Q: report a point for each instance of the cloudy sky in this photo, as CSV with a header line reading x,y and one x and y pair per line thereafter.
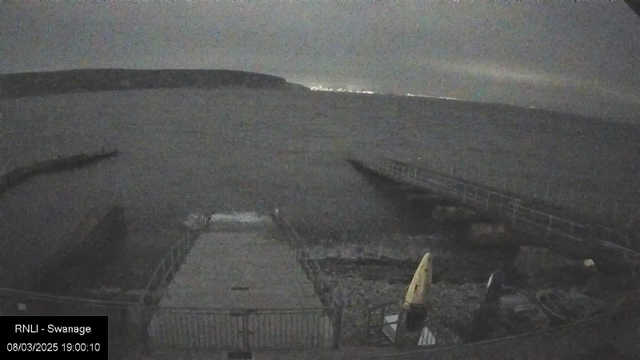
x,y
573,56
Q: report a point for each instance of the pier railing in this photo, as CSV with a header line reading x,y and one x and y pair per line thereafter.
x,y
167,269
526,213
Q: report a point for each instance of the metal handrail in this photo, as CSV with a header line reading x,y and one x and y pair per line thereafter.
x,y
515,200
403,172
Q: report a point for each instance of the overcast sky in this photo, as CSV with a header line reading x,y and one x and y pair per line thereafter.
x,y
573,56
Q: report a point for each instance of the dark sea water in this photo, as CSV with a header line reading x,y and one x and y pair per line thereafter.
x,y
186,151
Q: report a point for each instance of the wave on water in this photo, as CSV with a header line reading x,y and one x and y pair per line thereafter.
x,y
199,221
241,217
196,221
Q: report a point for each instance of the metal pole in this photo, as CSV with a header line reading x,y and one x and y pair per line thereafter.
x,y
464,194
487,199
337,326
547,191
401,327
245,331
142,315
297,247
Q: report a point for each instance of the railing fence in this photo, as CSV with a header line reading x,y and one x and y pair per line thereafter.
x,y
609,211
168,268
246,329
609,241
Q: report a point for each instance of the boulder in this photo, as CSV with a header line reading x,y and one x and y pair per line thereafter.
x,y
533,259
482,234
453,214
519,311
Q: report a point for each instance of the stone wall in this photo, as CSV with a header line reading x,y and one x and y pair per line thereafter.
x,y
21,174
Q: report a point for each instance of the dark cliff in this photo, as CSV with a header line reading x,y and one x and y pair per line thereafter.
x,y
71,81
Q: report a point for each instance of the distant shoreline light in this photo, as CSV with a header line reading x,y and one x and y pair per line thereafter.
x,y
434,97
321,88
343,90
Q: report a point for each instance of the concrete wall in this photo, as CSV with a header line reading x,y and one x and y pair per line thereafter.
x,y
100,229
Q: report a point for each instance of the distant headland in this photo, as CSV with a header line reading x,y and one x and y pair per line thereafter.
x,y
90,80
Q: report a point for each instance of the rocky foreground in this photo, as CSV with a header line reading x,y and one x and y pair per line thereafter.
x,y
371,279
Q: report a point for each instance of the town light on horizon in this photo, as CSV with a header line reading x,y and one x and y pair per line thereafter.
x,y
358,91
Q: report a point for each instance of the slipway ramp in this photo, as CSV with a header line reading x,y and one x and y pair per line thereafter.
x,y
240,288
